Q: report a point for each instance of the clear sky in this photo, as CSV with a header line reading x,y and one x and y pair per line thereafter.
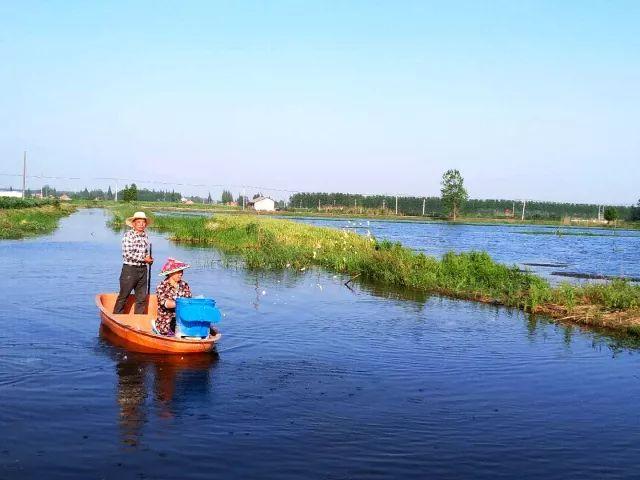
x,y
528,99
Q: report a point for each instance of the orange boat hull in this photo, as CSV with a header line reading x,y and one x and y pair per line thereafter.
x,y
136,332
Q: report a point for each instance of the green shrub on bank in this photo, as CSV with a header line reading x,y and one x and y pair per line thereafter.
x,y
16,203
26,222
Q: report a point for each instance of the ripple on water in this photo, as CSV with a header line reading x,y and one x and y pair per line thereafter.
x,y
310,381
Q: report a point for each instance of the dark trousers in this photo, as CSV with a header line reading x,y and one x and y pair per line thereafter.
x,y
132,277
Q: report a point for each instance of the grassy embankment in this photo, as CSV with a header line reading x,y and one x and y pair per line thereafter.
x,y
25,218
278,244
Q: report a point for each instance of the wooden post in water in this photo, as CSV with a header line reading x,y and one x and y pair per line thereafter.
x,y
24,173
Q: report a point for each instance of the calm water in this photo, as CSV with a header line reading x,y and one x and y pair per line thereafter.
x,y
312,380
599,252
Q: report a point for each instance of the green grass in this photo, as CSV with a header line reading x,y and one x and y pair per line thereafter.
x,y
19,203
266,243
26,222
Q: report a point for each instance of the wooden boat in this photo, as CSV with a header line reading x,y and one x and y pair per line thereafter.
x,y
137,332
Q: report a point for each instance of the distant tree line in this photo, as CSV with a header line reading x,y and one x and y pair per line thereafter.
x,y
129,193
434,206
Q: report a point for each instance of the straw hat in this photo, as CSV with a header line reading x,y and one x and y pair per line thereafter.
x,y
172,265
136,216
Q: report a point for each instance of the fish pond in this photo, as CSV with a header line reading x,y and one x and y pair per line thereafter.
x,y
556,253
312,379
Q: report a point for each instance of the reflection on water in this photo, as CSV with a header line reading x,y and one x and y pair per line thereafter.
x,y
163,378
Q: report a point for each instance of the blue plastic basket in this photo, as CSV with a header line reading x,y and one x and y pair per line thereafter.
x,y
194,316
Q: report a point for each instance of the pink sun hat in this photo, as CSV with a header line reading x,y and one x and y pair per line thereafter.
x,y
172,265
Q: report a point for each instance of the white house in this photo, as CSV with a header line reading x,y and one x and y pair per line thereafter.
x,y
11,193
263,204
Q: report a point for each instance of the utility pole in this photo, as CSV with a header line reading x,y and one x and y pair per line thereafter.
x,y
24,173
383,204
116,198
243,195
396,204
318,204
524,203
424,201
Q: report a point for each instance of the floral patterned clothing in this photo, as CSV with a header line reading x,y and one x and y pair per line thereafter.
x,y
166,321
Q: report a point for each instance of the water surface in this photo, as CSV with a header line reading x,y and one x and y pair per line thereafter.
x,y
312,380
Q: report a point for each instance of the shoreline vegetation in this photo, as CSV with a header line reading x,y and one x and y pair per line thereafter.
x,y
27,218
276,244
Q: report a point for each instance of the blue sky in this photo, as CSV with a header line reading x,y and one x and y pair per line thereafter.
x,y
537,100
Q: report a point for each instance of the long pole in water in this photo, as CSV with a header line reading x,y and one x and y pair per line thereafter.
x,y
149,271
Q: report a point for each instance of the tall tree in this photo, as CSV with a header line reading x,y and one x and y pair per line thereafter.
x,y
453,192
634,213
130,194
227,196
610,214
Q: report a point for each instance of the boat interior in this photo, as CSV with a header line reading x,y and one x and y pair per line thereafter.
x,y
141,322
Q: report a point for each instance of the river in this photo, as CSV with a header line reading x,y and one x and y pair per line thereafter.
x,y
312,379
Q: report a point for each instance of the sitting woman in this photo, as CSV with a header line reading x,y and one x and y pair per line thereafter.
x,y
169,289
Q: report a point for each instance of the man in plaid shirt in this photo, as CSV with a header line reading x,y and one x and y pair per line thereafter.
x,y
135,257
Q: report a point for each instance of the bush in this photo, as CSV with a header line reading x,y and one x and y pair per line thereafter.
x,y
11,202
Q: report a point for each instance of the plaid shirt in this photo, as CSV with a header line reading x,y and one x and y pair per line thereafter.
x,y
135,247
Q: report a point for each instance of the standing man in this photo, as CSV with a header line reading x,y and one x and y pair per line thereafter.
x,y
135,257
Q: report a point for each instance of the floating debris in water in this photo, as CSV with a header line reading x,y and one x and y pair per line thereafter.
x,y
596,276
536,264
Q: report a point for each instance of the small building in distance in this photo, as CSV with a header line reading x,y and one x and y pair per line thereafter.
x,y
11,193
65,198
263,204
